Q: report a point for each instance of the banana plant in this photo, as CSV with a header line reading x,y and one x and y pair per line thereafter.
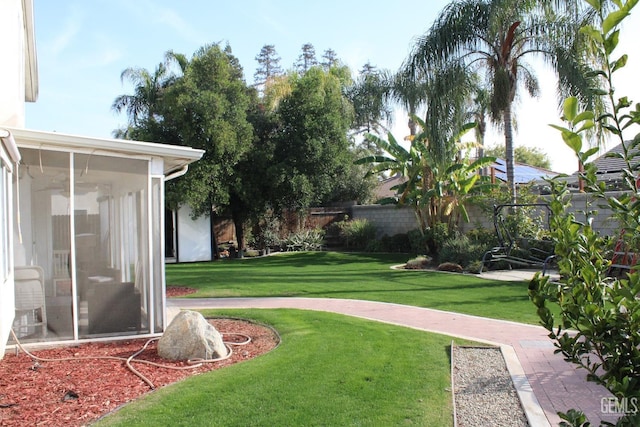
x,y
437,182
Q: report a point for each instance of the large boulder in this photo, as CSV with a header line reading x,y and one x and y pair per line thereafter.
x,y
190,336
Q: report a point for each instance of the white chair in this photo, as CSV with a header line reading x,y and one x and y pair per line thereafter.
x,y
30,303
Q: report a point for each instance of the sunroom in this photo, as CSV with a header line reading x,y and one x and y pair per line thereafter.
x,y
88,236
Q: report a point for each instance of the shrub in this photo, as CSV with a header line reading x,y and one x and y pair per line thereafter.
x,y
435,237
483,237
374,246
474,267
417,242
598,324
396,243
267,231
250,253
460,250
357,233
306,240
418,263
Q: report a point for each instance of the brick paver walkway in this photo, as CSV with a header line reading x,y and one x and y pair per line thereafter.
x,y
545,382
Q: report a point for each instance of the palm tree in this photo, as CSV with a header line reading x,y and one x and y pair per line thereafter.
x,y
148,87
494,38
408,90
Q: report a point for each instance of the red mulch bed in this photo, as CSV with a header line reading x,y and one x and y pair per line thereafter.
x,y
78,392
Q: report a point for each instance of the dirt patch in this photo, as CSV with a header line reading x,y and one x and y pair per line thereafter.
x,y
179,291
78,391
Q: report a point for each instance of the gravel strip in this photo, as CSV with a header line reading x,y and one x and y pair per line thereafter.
x,y
483,391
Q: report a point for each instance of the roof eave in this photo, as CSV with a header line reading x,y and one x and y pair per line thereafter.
x,y
31,59
176,157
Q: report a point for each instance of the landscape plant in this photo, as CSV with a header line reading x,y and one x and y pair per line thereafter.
x,y
305,240
598,327
356,233
461,250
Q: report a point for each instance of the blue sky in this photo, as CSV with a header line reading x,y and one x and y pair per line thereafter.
x,y
83,46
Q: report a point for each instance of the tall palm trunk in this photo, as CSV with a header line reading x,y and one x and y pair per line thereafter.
x,y
508,145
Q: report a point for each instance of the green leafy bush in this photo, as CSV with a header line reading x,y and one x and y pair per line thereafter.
x,y
435,237
598,326
357,233
305,240
396,243
483,236
460,250
417,242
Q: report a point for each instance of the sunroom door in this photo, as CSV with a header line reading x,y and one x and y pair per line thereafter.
x,y
111,244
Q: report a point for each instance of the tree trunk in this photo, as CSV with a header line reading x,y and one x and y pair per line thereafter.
x,y
214,238
238,222
238,215
508,148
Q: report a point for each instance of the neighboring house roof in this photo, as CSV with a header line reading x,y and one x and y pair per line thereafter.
x,y
383,190
609,169
175,157
523,173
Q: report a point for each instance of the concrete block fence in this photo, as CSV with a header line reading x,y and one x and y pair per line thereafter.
x,y
390,220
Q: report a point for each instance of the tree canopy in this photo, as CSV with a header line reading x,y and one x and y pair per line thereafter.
x,y
494,38
284,148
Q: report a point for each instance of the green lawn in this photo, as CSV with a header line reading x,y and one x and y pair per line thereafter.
x,y
355,276
330,370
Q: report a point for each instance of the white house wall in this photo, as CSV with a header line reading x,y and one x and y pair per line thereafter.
x,y
12,72
194,237
7,299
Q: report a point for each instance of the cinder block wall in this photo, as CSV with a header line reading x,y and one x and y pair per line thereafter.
x,y
390,220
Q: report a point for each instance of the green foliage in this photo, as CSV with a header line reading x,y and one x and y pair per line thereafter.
x,y
474,267
495,38
397,243
418,241
356,233
460,250
523,222
483,237
305,240
267,231
207,108
366,95
435,237
599,323
437,184
311,149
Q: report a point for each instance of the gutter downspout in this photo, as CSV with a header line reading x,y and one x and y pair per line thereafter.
x,y
177,174
10,145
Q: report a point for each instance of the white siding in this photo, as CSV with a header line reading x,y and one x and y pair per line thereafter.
x,y
12,72
194,237
7,300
